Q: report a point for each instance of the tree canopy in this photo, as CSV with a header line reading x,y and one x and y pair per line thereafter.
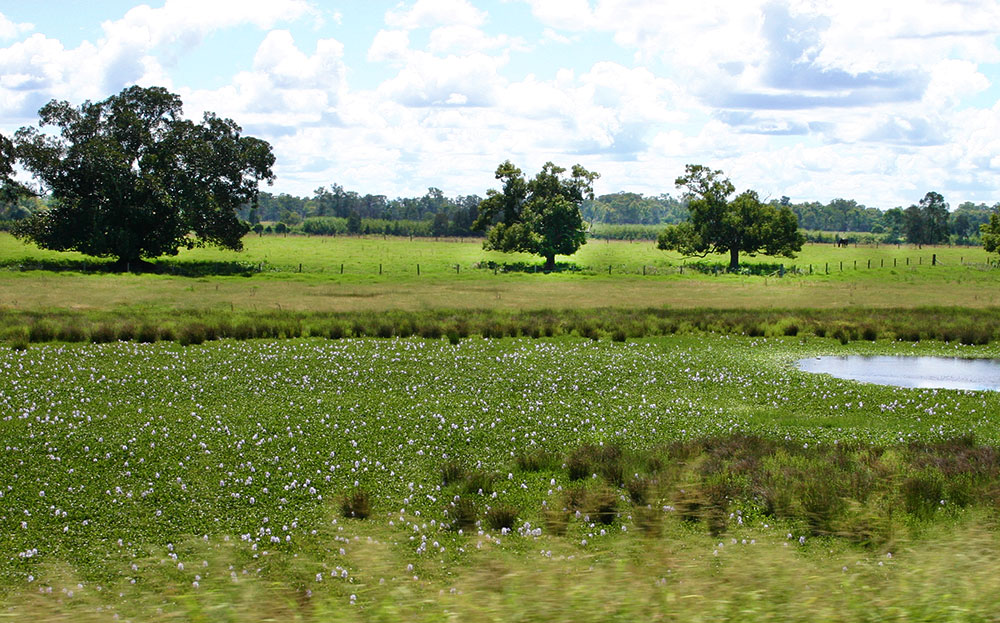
x,y
539,216
991,231
718,225
10,190
927,222
131,179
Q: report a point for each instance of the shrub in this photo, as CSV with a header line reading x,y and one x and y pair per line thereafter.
x,y
168,333
463,514
41,331
869,333
974,336
126,331
103,333
821,501
147,333
18,339
452,472
842,335
71,332
556,521
430,330
193,333
648,520
606,460
922,494
575,498
479,481
502,517
603,505
535,461
356,504
638,490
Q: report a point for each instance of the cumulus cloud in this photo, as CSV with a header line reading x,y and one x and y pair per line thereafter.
x,y
803,98
11,30
286,89
186,22
429,80
390,46
132,50
430,13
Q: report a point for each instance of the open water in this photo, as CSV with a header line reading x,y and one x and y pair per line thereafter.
x,y
902,371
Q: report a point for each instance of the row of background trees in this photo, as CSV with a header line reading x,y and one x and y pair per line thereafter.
x,y
334,210
921,223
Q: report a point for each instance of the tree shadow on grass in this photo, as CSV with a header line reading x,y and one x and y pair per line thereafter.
x,y
185,268
528,267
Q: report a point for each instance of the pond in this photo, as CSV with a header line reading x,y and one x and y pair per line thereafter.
x,y
923,372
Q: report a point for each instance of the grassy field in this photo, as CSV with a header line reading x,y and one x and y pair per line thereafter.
x,y
961,277
537,476
502,479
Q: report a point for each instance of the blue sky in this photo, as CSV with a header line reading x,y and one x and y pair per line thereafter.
x,y
878,101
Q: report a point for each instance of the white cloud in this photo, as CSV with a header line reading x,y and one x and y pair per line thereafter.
x,y
285,90
389,46
40,68
806,98
565,14
11,30
430,13
186,22
464,39
429,80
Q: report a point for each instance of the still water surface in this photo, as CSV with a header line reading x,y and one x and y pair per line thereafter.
x,y
928,372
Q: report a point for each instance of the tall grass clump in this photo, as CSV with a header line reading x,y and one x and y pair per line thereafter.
x,y
502,516
356,504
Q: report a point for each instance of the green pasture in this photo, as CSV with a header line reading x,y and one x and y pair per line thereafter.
x,y
155,478
400,256
381,274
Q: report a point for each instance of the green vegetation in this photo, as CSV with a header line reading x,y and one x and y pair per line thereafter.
x,y
130,178
147,476
540,216
718,225
323,445
991,233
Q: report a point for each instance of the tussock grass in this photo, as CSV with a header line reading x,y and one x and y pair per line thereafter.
x,y
949,324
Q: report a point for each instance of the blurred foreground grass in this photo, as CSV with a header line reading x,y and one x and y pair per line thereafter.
x,y
949,574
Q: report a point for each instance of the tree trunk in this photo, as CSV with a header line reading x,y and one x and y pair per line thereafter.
x,y
550,263
134,265
734,259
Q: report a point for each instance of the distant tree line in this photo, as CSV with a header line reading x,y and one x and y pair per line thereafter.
x,y
332,210
926,222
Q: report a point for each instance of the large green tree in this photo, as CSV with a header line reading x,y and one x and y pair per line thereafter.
x,y
720,225
990,232
130,178
927,222
10,189
539,216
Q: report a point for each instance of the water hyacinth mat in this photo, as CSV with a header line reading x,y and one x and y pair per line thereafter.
x,y
308,461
